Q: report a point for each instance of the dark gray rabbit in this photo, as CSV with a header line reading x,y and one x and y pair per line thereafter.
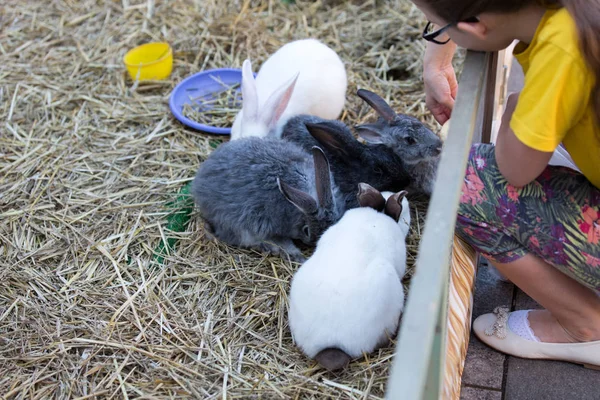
x,y
418,147
263,193
351,161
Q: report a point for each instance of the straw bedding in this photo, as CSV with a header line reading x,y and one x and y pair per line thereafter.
x,y
88,161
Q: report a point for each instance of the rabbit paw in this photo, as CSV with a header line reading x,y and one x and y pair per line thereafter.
x,y
281,247
299,257
209,232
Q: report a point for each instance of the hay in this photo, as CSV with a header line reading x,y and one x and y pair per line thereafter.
x,y
88,161
215,109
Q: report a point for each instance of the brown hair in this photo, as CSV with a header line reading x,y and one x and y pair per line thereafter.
x,y
586,14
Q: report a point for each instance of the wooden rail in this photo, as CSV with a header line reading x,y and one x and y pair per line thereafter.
x,y
418,367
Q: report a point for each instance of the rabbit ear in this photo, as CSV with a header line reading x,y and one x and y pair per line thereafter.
x,y
329,137
249,93
378,104
393,205
322,178
277,102
301,200
372,133
368,196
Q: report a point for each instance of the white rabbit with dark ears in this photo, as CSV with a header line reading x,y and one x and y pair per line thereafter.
x,y
347,298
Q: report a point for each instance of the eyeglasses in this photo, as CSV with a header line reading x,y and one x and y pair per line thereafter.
x,y
430,36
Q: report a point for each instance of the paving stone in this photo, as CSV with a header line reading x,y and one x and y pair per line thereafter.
x,y
484,367
531,379
490,292
524,302
471,393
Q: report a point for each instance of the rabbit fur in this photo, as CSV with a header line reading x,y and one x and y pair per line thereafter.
x,y
266,193
347,298
417,146
351,161
302,77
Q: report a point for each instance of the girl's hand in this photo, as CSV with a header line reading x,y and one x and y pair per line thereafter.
x,y
440,80
440,93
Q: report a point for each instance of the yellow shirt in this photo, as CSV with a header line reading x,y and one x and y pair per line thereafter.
x,y
555,104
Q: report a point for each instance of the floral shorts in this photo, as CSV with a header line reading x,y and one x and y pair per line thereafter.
x,y
556,217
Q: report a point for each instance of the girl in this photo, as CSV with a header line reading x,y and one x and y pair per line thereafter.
x,y
539,225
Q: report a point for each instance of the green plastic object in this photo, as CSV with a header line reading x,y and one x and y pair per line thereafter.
x,y
177,221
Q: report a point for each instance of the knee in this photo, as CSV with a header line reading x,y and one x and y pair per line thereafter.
x,y
475,189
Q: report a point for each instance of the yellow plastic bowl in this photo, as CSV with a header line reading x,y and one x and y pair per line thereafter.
x,y
150,61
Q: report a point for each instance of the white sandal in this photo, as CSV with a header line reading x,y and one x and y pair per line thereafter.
x,y
495,331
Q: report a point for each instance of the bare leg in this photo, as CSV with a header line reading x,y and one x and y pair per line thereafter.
x,y
572,311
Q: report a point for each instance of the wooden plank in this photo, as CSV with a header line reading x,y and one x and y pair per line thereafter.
x,y
414,351
463,268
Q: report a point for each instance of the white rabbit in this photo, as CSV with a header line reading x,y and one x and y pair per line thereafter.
x,y
347,298
302,77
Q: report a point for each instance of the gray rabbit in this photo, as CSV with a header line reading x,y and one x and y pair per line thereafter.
x,y
351,161
417,146
263,193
